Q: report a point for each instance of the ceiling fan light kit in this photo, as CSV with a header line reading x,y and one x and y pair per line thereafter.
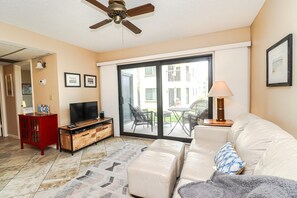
x,y
118,13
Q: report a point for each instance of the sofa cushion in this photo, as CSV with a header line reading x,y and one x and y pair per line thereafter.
x,y
205,147
180,183
239,124
254,140
280,159
197,167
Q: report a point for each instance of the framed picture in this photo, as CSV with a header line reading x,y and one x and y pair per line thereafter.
x,y
72,79
90,81
9,85
26,89
279,63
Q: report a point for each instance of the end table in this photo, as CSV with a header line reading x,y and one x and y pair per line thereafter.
x,y
214,122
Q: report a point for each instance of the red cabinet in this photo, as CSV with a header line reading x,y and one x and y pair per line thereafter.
x,y
39,130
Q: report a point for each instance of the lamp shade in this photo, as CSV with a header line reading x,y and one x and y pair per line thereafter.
x,y
39,65
220,89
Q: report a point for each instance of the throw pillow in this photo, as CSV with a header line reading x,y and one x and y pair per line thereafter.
x,y
230,163
222,152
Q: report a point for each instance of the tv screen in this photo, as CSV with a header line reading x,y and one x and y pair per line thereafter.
x,y
83,111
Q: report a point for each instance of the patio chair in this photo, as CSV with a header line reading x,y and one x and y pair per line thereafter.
x,y
141,117
194,119
197,108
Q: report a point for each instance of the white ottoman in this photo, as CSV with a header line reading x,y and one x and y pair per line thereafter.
x,y
173,147
152,175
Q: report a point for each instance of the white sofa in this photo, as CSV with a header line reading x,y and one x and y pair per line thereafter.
x,y
266,148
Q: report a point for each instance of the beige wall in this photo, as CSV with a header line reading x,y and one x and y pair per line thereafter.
x,y
69,58
278,104
200,41
46,94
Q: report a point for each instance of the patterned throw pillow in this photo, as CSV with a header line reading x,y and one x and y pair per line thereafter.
x,y
227,161
222,152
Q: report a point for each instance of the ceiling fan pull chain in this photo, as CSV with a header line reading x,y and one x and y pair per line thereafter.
x,y
122,35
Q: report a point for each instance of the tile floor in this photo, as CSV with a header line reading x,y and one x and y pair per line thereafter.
x,y
25,173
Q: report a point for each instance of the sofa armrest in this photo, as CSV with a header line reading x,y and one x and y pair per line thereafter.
x,y
211,134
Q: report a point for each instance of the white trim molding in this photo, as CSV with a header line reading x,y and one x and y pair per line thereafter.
x,y
172,55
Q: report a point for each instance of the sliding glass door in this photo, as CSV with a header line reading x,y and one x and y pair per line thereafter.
x,y
138,100
185,85
164,99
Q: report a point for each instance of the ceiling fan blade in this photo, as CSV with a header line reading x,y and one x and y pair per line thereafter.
x,y
98,5
147,8
131,27
104,22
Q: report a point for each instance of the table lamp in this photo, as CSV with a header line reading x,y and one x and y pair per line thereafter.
x,y
220,90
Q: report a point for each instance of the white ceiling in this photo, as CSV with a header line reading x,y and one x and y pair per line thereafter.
x,y
69,20
12,53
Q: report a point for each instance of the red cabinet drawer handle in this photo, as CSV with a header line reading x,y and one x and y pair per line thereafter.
x,y
85,134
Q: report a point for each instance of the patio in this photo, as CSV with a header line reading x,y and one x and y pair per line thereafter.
x,y
168,126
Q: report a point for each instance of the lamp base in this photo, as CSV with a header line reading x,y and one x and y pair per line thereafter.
x,y
220,110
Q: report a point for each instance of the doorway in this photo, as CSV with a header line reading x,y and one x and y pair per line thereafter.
x,y
158,98
138,100
11,56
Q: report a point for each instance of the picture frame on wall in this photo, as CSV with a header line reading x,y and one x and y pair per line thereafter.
x,y
279,63
90,81
72,79
26,89
9,85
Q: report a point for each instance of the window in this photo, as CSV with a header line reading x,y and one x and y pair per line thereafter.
x,y
187,95
150,71
173,73
174,96
150,94
178,96
188,75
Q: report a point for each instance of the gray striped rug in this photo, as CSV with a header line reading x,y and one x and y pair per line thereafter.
x,y
106,179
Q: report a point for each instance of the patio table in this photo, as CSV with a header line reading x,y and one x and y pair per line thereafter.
x,y
175,111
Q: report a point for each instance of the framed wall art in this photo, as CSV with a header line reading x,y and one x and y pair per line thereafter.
x,y
72,79
279,63
90,81
26,89
9,85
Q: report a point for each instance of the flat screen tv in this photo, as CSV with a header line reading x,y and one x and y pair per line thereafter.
x,y
83,111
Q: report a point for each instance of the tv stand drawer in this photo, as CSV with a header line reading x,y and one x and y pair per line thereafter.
x,y
103,132
84,138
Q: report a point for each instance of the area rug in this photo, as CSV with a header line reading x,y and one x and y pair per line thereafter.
x,y
106,179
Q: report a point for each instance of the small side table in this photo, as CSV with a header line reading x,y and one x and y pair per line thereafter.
x,y
213,122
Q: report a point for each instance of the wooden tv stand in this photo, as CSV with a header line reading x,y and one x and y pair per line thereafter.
x,y
84,134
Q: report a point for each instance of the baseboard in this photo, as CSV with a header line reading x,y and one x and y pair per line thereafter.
x,y
13,136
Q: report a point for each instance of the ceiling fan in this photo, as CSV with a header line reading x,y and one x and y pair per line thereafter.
x,y
118,13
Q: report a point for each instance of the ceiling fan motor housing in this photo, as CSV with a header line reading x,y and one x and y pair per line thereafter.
x,y
117,10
